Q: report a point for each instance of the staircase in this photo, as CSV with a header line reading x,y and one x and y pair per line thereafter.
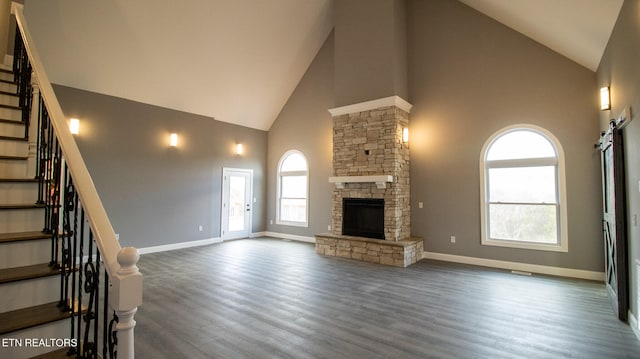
x,y
67,287
29,283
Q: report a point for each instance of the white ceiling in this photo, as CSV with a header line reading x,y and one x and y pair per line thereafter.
x,y
577,29
238,61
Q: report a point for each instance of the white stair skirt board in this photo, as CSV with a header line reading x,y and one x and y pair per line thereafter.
x,y
21,220
18,192
18,254
7,87
12,129
28,293
524,267
14,148
56,330
10,114
292,237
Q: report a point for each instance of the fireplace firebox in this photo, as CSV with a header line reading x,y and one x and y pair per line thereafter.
x,y
363,217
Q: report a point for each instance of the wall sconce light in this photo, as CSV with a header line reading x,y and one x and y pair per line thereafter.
x,y
239,149
405,134
173,140
74,126
605,99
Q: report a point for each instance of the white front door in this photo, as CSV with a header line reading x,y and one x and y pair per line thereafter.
x,y
236,203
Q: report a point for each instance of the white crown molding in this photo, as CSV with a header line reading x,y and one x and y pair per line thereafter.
x,y
396,101
516,266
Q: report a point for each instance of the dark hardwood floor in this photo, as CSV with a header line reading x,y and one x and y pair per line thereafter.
x,y
270,298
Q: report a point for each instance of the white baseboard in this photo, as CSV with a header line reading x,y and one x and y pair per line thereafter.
x,y
181,245
257,234
292,237
524,267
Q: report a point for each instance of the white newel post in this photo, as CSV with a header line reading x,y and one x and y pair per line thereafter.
x,y
125,298
33,127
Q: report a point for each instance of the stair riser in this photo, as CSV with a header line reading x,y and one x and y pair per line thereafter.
x,y
14,148
57,330
18,254
7,76
8,129
9,100
10,114
28,293
18,192
7,87
20,220
13,169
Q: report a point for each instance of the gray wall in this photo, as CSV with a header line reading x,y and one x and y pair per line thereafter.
x,y
370,50
620,68
305,124
470,76
155,194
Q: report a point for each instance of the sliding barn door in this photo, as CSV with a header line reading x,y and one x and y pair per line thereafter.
x,y
614,220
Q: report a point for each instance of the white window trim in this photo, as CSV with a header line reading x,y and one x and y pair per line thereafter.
x,y
279,190
563,245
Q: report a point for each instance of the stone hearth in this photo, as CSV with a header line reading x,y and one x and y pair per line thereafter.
x,y
371,160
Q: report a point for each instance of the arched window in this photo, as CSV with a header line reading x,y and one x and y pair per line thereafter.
x,y
293,189
523,201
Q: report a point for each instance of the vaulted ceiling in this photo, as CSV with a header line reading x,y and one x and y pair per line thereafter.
x,y
238,61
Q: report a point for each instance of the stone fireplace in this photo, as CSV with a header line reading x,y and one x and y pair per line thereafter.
x,y
371,162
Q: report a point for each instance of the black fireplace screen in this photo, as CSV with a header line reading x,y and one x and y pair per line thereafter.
x,y
363,217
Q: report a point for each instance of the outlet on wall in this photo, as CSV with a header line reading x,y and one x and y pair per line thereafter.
x,y
453,239
200,228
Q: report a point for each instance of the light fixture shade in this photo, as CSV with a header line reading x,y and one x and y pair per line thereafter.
x,y
405,134
239,148
173,140
74,126
605,99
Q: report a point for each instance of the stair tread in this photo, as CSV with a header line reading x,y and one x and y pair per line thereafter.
x,y
22,206
31,317
13,138
15,274
62,353
7,93
14,157
12,107
19,180
14,122
23,236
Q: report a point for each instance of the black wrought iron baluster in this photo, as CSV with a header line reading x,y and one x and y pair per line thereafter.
x,y
39,151
91,286
113,336
105,316
66,240
54,209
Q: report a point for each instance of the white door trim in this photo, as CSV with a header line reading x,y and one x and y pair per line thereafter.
x,y
224,214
